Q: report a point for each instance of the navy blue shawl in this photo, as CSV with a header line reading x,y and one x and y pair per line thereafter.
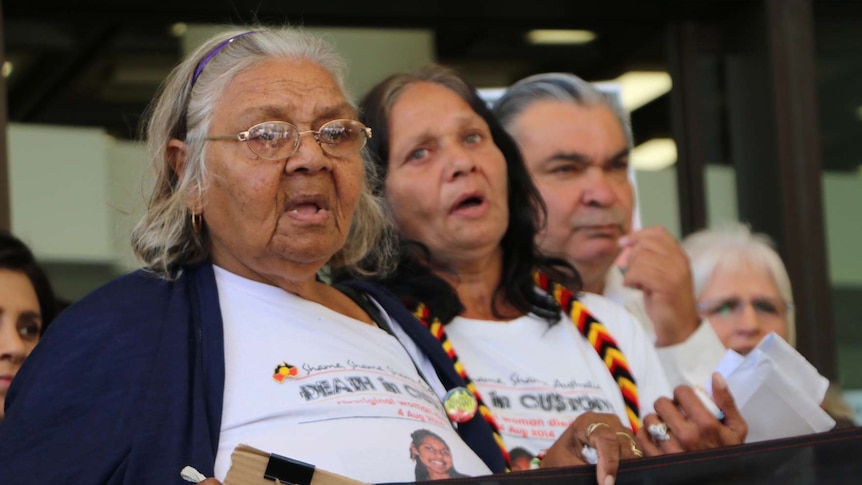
x,y
127,386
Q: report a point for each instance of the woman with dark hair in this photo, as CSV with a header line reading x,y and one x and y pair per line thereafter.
x,y
432,456
545,366
27,306
523,204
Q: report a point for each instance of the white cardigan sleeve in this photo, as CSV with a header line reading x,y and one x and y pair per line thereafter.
x,y
692,362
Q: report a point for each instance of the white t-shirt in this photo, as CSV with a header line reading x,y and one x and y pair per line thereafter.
x,y
537,378
311,384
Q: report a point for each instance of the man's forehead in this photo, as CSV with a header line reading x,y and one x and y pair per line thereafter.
x,y
552,118
587,132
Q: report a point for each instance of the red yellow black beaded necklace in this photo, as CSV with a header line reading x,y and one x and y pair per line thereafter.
x,y
593,330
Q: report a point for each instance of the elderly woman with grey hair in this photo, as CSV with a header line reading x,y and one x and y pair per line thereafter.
x,y
228,336
743,288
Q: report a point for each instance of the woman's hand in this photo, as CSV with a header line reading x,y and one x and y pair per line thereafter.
x,y
603,432
685,424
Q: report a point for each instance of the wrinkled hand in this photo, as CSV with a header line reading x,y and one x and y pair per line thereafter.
x,y
610,439
656,264
691,426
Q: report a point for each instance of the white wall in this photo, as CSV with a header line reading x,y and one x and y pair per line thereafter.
x,y
657,199
128,190
58,182
842,197
659,204
75,193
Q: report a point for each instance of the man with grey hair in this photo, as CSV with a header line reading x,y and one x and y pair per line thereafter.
x,y
576,142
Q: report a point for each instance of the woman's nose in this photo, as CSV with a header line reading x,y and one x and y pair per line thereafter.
x,y
11,345
460,162
748,321
309,157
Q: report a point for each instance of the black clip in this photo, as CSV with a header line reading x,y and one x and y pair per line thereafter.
x,y
281,469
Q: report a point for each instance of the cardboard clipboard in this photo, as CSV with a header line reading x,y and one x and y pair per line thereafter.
x,y
251,466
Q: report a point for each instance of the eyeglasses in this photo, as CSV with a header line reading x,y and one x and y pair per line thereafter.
x,y
278,140
733,307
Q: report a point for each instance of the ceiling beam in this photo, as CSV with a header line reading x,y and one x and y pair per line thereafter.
x,y
56,73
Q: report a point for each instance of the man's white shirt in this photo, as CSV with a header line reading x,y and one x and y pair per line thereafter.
x,y
691,362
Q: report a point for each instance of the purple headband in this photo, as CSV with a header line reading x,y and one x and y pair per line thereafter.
x,y
214,52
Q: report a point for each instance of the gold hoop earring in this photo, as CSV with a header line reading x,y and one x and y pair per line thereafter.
x,y
197,221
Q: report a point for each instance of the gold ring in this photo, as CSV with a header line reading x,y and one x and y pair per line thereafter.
x,y
635,451
594,426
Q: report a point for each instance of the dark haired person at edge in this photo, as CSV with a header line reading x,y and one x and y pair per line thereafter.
x,y
27,306
228,336
432,456
467,213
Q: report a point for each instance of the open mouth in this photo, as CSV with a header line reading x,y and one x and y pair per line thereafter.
x,y
307,205
305,208
471,202
467,201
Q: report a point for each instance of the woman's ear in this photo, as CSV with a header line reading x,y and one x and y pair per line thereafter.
x,y
176,153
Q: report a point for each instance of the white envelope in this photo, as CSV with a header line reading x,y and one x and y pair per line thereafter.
x,y
777,391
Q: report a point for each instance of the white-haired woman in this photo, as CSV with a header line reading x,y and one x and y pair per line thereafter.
x,y
743,289
228,336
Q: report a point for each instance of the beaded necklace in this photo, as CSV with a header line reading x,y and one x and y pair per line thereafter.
x,y
602,342
435,326
595,333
